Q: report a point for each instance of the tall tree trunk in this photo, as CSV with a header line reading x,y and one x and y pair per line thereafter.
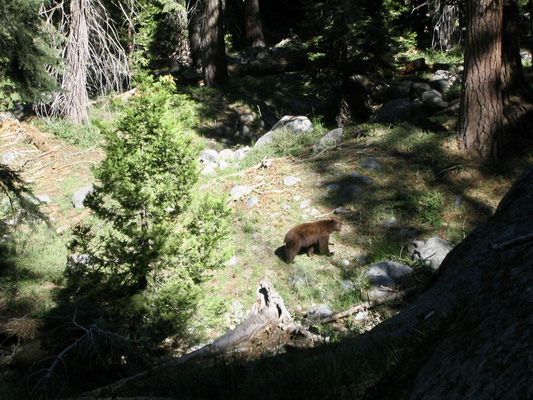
x,y
254,28
195,12
214,52
481,119
77,55
517,94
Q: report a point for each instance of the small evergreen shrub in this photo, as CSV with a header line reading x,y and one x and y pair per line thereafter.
x,y
146,261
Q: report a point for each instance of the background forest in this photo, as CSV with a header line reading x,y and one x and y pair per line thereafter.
x,y
155,153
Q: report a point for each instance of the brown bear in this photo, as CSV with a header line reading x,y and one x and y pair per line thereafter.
x,y
310,235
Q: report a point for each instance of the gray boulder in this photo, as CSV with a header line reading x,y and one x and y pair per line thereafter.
x,y
431,252
291,180
385,275
297,124
265,139
252,201
432,101
79,196
370,163
209,155
397,110
319,312
239,154
227,155
329,139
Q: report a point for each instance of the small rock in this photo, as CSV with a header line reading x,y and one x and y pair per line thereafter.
x,y
43,198
238,191
432,101
296,198
79,196
341,211
305,204
361,315
314,212
431,252
333,187
350,192
244,118
319,312
298,279
386,273
252,201
370,163
9,157
291,180
223,164
457,202
345,262
231,262
329,139
209,169
209,155
389,222
227,155
239,154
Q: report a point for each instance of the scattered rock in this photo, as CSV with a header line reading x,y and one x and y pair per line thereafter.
x,y
209,155
361,259
350,192
418,89
329,139
457,202
43,198
223,164
227,155
305,204
315,212
389,222
370,163
209,168
246,118
291,180
319,312
231,262
397,110
333,187
431,252
9,157
265,139
238,191
345,262
239,154
385,274
297,124
341,211
79,196
252,201
432,101
7,116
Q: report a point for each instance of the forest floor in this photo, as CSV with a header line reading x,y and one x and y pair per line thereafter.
x,y
424,182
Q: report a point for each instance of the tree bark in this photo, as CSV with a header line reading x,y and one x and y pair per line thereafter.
x,y
77,55
254,28
481,119
195,13
214,53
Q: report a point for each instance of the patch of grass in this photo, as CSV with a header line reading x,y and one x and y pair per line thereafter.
x,y
86,135
33,262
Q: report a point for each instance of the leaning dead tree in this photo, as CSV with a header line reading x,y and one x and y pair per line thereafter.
x,y
95,62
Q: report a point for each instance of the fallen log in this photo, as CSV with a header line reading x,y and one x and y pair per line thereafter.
x,y
267,329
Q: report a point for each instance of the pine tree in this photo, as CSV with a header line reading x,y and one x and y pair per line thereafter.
x,y
151,259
